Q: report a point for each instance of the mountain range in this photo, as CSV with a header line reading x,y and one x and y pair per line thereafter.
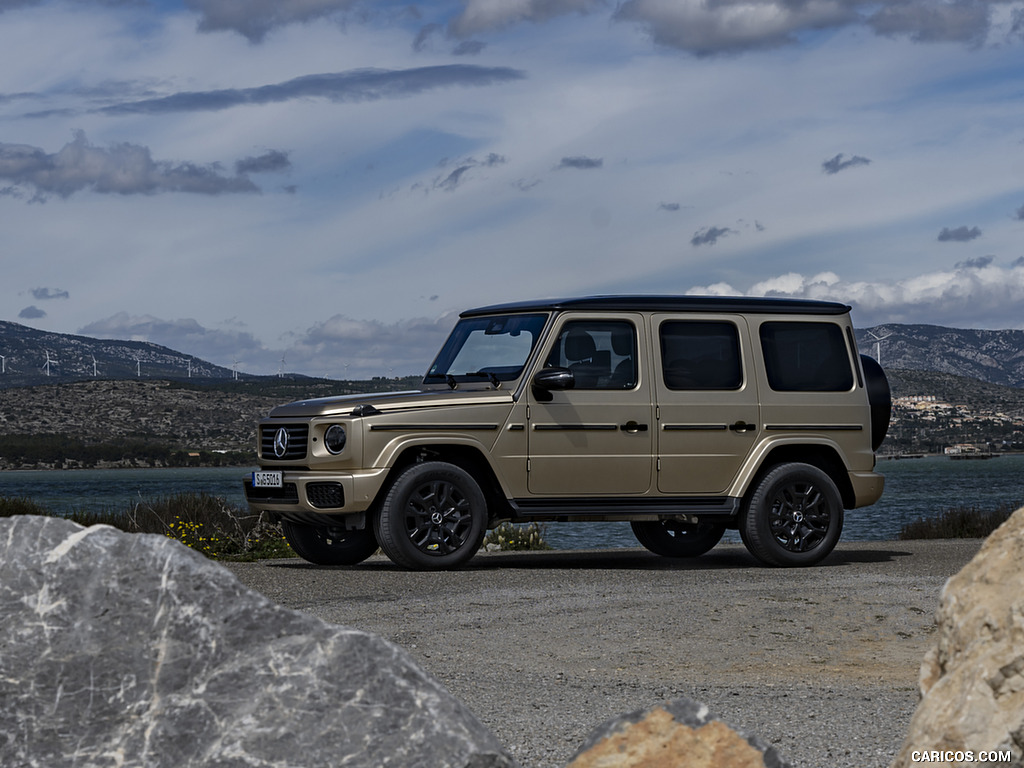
x,y
30,357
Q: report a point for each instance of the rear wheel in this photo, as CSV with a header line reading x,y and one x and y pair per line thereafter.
x,y
672,538
793,517
433,517
329,545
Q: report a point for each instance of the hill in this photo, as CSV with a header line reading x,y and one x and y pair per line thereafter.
x,y
993,356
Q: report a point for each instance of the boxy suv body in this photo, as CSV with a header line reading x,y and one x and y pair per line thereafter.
x,y
685,416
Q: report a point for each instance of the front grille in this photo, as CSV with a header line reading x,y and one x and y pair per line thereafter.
x,y
325,495
297,435
288,494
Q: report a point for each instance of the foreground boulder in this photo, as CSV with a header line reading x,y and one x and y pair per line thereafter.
x,y
132,650
972,681
679,733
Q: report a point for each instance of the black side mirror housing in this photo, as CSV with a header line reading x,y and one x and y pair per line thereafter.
x,y
549,380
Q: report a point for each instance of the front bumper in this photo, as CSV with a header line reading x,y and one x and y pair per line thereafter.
x,y
304,493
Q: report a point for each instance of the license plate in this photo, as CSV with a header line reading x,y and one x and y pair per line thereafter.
x,y
266,480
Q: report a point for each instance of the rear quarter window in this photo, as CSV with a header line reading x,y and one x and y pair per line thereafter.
x,y
805,357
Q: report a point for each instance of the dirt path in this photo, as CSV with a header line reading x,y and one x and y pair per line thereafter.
x,y
822,662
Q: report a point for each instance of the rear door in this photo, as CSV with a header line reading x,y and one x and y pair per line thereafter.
x,y
707,402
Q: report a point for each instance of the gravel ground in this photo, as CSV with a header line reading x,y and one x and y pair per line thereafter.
x,y
821,662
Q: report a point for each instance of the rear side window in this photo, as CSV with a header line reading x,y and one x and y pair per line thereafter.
x,y
700,355
806,357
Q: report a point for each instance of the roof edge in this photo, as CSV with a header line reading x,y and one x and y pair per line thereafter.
x,y
668,303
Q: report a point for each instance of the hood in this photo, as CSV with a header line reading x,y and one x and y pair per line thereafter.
x,y
384,402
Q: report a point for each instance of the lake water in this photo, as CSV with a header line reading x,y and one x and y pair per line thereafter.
x,y
914,488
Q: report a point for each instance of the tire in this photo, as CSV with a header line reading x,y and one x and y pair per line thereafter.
x,y
325,545
434,517
671,538
794,516
880,399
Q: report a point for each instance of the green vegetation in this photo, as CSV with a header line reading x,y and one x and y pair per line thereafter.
x,y
64,452
962,522
514,538
200,521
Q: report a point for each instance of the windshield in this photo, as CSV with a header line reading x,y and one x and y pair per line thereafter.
x,y
494,348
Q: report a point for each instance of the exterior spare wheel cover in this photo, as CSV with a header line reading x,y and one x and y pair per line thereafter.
x,y
879,397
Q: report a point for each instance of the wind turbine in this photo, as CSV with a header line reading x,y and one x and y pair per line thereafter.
x,y
280,370
234,370
3,364
138,367
190,367
878,344
48,361
95,373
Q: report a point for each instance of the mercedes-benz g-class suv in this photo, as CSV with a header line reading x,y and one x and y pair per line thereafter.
x,y
685,416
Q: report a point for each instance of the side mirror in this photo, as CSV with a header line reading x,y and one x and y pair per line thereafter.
x,y
551,379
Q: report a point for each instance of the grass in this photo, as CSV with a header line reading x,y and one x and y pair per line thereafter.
x,y
515,538
200,521
961,522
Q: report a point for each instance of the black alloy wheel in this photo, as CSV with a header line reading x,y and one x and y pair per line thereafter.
x,y
433,517
672,538
329,545
794,516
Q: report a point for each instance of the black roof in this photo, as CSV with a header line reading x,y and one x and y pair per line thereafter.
x,y
670,304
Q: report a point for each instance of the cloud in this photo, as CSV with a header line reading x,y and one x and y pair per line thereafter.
x,y
837,164
958,235
705,28
710,235
930,22
669,207
1020,214
468,48
485,15
43,294
732,26
452,179
582,163
979,263
124,169
341,347
31,313
977,293
356,85
269,162
222,347
255,18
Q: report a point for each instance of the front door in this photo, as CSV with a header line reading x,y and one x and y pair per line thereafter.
x,y
596,438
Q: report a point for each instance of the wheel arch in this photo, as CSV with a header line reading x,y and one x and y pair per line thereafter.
x,y
465,455
824,456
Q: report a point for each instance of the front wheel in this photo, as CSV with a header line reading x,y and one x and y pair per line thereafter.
x,y
793,517
329,545
433,517
671,538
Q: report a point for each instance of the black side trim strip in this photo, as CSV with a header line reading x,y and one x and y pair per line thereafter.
x,y
432,427
694,427
816,427
574,427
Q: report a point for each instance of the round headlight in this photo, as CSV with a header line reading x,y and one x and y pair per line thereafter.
x,y
335,438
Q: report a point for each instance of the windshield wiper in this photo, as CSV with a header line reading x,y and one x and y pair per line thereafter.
x,y
491,376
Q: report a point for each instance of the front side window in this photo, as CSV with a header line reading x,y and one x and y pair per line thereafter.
x,y
600,353
805,357
494,348
700,355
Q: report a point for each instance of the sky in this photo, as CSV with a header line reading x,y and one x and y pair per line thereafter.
x,y
320,186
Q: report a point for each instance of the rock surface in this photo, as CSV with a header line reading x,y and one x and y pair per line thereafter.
x,y
679,733
972,680
132,650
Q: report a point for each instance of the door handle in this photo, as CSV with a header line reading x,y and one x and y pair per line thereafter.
x,y
741,426
632,426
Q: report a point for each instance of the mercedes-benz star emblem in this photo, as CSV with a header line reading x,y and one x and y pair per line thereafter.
x,y
281,443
